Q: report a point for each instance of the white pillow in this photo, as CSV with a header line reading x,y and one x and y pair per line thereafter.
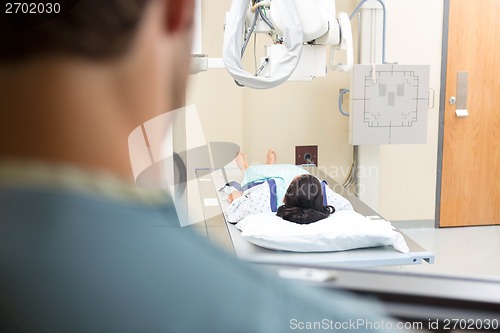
x,y
343,230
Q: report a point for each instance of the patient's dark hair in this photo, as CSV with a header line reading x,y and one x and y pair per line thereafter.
x,y
303,202
94,29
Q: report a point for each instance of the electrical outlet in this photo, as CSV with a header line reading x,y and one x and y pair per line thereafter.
x,y
306,155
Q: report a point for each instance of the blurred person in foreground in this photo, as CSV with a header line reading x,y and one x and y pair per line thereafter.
x,y
82,249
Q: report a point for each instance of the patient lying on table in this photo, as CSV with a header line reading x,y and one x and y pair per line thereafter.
x,y
290,191
303,199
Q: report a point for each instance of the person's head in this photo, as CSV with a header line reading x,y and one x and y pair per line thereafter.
x,y
73,86
303,202
145,40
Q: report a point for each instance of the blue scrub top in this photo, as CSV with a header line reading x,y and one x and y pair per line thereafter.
x,y
76,262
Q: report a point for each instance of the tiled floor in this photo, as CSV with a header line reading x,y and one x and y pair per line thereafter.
x,y
467,251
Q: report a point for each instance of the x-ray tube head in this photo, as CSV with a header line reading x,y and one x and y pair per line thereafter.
x,y
292,24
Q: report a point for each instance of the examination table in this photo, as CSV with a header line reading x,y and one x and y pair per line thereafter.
x,y
214,203
429,299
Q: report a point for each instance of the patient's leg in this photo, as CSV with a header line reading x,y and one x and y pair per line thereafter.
x,y
271,157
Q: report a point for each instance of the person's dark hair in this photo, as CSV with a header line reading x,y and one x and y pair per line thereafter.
x,y
94,29
303,202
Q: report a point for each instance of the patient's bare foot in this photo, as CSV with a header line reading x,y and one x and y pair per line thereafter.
x,y
271,157
242,161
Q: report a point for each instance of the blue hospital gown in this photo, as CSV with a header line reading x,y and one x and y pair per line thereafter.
x,y
257,199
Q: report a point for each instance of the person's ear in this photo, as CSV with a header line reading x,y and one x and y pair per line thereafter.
x,y
179,15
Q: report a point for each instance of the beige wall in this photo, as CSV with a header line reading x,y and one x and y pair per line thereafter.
x,y
300,113
307,114
408,172
218,100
